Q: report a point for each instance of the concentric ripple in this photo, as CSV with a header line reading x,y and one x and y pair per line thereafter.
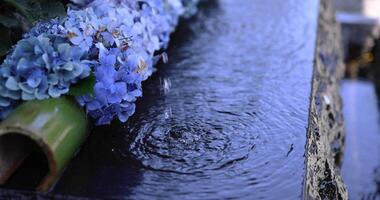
x,y
222,119
229,124
189,147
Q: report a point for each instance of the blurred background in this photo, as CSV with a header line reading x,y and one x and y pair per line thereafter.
x,y
360,93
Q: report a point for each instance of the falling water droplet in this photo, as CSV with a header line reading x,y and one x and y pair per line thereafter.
x,y
165,58
167,85
168,113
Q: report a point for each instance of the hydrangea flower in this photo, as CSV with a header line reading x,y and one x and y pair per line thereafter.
x,y
115,40
118,85
42,67
51,27
81,2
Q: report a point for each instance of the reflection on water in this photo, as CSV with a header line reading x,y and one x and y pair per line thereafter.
x,y
361,165
226,117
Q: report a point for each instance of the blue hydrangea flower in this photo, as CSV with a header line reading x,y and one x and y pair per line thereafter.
x,y
81,2
147,33
115,40
41,67
51,27
117,87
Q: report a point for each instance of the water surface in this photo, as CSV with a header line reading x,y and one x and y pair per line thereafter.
x,y
361,165
225,118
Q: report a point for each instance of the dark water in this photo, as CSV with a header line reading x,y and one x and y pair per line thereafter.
x,y
361,166
225,118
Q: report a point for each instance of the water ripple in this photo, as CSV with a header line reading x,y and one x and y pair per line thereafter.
x,y
226,117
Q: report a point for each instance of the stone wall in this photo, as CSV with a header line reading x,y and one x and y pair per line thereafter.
x,y
326,131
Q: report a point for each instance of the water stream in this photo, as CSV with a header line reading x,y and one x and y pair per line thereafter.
x,y
225,118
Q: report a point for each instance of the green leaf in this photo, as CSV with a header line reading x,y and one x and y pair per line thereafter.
x,y
84,86
19,5
5,40
53,9
36,10
8,21
44,9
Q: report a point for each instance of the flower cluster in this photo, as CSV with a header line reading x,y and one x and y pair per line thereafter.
x,y
51,27
114,40
118,84
81,2
41,67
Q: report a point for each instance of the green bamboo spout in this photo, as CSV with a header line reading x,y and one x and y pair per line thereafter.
x,y
57,126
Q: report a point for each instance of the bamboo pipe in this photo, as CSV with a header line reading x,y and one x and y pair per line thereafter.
x,y
57,126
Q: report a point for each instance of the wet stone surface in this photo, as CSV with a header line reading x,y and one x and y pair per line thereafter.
x,y
326,133
227,117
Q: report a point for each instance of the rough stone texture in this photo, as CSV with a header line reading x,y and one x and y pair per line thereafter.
x,y
326,130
